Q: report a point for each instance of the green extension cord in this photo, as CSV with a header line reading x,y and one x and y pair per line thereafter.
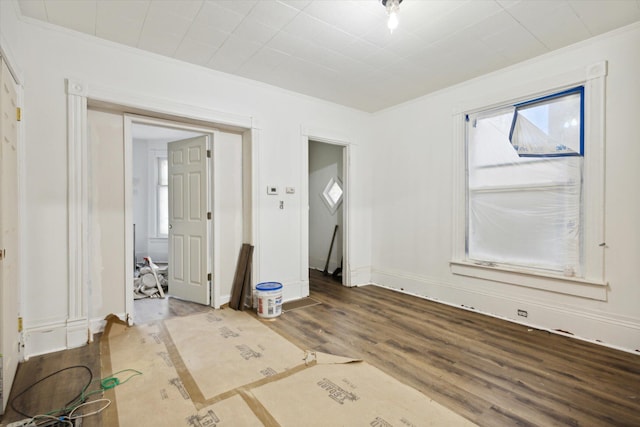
x,y
113,381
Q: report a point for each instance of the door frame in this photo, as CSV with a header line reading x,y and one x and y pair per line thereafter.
x,y
326,137
79,96
129,121
11,309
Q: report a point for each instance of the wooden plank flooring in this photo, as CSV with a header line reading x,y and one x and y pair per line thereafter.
x,y
57,391
493,372
152,309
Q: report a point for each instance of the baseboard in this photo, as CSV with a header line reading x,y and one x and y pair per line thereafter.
x,y
224,299
78,332
97,324
618,332
360,276
56,335
295,290
45,338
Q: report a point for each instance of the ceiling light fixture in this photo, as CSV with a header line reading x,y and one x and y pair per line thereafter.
x,y
393,8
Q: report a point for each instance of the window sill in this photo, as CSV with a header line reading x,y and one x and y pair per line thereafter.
x,y
548,282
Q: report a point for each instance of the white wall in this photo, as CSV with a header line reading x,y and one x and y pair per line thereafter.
x,y
106,201
10,33
413,206
49,56
140,190
325,162
227,199
405,232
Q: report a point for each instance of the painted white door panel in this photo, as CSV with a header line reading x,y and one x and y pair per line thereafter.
x,y
9,296
189,226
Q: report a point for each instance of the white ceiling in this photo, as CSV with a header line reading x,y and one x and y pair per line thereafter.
x,y
341,50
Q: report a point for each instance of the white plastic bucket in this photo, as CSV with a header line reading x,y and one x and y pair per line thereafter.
x,y
269,296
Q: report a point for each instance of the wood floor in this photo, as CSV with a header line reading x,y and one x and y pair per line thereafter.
x,y
492,372
79,365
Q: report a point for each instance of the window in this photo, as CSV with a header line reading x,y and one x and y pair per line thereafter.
x,y
525,165
529,180
162,197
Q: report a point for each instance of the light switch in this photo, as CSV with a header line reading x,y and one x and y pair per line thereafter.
x,y
272,190
291,190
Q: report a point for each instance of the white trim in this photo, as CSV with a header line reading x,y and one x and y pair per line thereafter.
x,y
77,196
594,171
78,95
623,332
152,156
78,332
9,57
22,209
45,338
304,209
594,282
533,89
328,136
347,185
334,138
519,277
159,106
459,182
98,324
360,276
251,142
128,221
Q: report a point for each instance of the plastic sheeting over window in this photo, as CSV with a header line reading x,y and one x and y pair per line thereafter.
x,y
549,126
525,209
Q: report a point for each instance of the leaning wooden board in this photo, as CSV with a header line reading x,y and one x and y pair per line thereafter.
x,y
239,278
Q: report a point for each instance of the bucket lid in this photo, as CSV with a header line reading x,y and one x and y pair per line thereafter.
x,y
269,286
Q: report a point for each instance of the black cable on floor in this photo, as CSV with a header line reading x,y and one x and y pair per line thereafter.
x,y
75,399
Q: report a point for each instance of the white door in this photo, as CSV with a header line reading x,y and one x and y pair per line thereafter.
x,y
9,335
189,229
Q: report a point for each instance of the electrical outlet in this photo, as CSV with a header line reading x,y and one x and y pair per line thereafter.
x,y
522,313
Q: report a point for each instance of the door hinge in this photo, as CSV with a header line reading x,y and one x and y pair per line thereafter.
x,y
209,276
209,154
18,113
3,254
19,324
208,215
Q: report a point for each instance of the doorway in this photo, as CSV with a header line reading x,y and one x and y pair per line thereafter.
x,y
226,205
326,208
226,208
150,194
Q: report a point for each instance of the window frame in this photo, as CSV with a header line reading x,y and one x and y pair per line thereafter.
x,y
472,193
575,90
155,157
592,284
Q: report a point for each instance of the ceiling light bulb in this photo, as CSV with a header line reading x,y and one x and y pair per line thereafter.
x,y
392,23
393,8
